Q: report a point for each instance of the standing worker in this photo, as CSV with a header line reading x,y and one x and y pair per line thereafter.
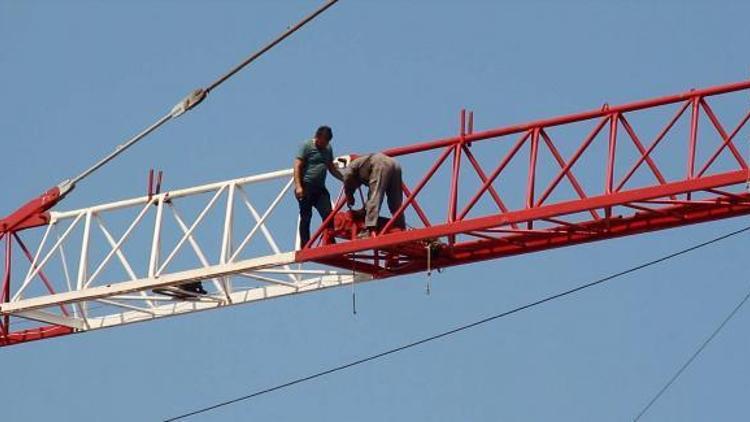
x,y
382,175
314,158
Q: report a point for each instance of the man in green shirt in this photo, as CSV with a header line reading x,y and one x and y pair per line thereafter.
x,y
313,160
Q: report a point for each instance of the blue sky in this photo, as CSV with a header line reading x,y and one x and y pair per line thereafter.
x,y
78,78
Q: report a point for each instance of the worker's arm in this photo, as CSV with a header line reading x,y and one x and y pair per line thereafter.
x,y
335,172
299,191
350,186
351,180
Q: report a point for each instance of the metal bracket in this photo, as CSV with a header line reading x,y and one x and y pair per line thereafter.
x,y
190,101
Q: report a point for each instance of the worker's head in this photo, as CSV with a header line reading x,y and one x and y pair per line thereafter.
x,y
323,136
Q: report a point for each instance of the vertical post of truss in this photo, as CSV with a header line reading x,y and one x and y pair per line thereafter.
x,y
83,262
612,149
156,239
226,238
6,283
455,173
694,116
455,168
533,153
611,152
84,258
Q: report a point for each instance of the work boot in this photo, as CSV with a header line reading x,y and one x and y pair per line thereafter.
x,y
186,291
366,234
196,288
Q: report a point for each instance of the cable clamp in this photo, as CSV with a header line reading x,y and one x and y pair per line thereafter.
x,y
192,100
65,186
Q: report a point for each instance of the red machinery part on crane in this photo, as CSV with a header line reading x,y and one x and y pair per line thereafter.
x,y
32,214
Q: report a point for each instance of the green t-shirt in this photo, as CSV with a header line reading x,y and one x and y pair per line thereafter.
x,y
315,162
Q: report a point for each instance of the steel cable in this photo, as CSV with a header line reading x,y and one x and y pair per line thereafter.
x,y
461,328
193,99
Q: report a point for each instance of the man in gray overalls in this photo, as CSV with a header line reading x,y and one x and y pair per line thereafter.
x,y
382,175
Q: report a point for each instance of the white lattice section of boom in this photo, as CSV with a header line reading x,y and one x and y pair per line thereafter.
x,y
71,280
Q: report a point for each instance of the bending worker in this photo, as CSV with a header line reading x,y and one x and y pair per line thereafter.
x,y
382,175
313,159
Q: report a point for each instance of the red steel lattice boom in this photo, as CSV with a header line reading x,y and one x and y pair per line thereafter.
x,y
547,216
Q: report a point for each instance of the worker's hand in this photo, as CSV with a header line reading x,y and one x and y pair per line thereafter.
x,y
299,192
360,213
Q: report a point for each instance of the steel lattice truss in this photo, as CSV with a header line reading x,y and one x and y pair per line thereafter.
x,y
86,275
616,171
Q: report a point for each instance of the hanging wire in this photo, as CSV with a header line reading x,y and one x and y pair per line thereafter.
x,y
354,282
692,358
429,268
461,328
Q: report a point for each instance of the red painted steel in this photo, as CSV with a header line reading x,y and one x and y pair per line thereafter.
x,y
727,139
483,178
525,215
5,294
419,188
552,217
488,182
40,274
570,176
32,334
565,170
613,120
31,214
572,118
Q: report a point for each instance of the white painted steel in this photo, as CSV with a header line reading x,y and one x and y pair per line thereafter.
x,y
116,246
189,232
51,318
238,297
197,249
83,263
261,221
127,289
226,237
175,193
153,260
120,256
37,265
266,233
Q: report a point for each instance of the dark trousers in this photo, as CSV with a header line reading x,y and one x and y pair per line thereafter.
x,y
317,197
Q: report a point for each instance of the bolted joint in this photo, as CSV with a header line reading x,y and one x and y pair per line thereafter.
x,y
65,186
192,100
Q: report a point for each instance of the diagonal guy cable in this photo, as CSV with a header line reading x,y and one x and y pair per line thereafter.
x,y
461,328
194,98
692,358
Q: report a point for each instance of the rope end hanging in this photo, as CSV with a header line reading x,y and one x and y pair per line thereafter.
x,y
428,287
354,283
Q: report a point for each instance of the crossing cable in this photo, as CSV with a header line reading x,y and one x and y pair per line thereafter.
x,y
193,99
461,328
692,358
